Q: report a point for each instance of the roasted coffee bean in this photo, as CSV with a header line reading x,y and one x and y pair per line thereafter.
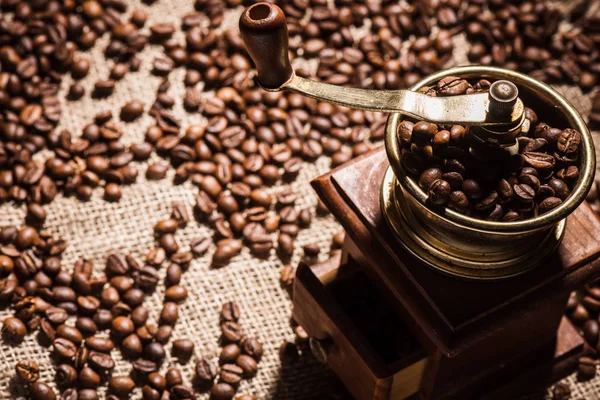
x,y
169,313
176,293
66,375
157,381
586,369
230,311
101,362
183,348
452,86
231,373
439,192
172,378
143,366
154,351
88,378
121,386
163,334
569,141
41,391
205,372
87,394
561,391
139,315
226,250
156,171
13,330
132,110
70,333
101,344
122,326
27,371
548,204
229,353
183,392
561,189
252,347
149,393
428,177
132,345
232,331
222,391
81,357
248,365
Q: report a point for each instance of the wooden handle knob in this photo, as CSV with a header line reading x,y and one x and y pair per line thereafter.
x,y
265,35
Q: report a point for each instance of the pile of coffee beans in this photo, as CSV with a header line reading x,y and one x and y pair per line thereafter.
x,y
535,180
582,309
238,360
36,50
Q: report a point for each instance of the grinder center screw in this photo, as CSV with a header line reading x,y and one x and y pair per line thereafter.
x,y
503,96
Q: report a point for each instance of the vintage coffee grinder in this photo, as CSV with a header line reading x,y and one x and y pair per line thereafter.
x,y
425,301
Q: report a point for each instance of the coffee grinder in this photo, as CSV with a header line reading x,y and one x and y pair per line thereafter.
x,y
424,301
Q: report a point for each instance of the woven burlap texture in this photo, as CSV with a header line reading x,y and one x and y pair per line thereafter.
x,y
97,228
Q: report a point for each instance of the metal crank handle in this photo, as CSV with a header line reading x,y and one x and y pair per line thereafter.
x,y
264,31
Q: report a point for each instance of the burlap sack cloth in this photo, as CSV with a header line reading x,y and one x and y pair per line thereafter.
x,y
97,228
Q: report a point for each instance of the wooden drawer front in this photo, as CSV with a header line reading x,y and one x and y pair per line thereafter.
x,y
349,353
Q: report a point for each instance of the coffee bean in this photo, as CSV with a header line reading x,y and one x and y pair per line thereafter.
x,y
591,329
230,311
13,330
132,110
122,326
66,375
122,386
176,293
132,345
183,348
561,391
70,333
154,351
104,88
222,391
548,204
112,192
173,377
226,250
248,365
163,334
439,192
569,141
232,331
231,374
41,391
101,344
27,371
252,347
205,372
169,313
452,86
156,171
561,189
586,369
229,353
101,362
87,394
88,378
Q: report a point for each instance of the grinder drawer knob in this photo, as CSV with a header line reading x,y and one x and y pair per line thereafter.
x,y
319,348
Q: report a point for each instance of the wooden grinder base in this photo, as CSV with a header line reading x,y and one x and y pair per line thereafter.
x,y
475,338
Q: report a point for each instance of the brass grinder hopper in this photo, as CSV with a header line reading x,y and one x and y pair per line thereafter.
x,y
444,239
